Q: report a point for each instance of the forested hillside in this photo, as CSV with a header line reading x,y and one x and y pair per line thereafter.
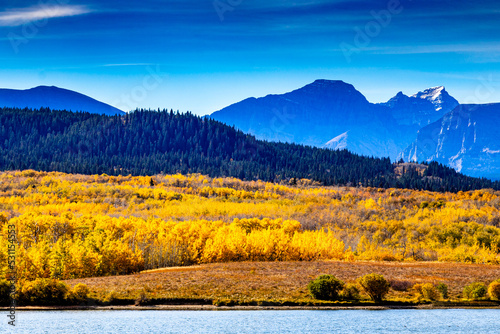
x,y
149,142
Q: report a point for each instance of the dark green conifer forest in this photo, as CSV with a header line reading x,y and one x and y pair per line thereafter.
x,y
147,142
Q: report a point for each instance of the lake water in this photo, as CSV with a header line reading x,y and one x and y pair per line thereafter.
x,y
351,321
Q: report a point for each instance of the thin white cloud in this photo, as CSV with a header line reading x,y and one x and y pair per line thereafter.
x,y
17,17
127,64
458,48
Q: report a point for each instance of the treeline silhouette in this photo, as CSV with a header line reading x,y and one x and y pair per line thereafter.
x,y
148,142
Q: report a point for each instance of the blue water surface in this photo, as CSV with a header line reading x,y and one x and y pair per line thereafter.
x,y
343,321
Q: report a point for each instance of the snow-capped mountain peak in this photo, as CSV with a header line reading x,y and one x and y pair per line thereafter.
x,y
430,93
422,108
439,97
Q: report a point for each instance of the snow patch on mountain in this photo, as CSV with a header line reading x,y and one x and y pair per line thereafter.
x,y
456,164
338,143
430,93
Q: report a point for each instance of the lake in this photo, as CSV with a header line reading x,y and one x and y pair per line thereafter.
x,y
343,321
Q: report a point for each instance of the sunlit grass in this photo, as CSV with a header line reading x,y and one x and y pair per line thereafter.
x,y
247,282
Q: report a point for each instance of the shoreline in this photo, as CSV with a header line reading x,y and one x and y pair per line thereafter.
x,y
248,308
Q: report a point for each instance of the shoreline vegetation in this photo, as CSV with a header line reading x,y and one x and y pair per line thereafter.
x,y
276,285
283,284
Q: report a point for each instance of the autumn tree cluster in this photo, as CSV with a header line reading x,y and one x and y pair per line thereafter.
x,y
72,225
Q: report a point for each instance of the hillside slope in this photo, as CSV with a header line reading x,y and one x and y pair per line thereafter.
x,y
150,142
54,98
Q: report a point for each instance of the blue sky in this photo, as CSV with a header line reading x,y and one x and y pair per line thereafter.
x,y
204,55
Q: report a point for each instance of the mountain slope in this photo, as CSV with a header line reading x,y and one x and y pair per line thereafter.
x,y
316,113
54,98
466,139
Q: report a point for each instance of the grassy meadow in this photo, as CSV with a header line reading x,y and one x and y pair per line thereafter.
x,y
251,283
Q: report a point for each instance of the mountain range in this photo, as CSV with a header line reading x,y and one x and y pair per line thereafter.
x,y
333,114
427,126
54,98
325,113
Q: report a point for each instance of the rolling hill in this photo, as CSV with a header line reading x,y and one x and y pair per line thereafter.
x,y
148,142
54,98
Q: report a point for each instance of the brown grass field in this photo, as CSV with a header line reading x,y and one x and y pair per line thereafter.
x,y
280,281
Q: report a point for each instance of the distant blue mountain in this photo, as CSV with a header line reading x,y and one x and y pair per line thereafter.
x,y
325,113
427,126
54,98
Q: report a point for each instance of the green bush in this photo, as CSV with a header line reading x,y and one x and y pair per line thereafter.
x,y
430,292
494,290
325,287
427,291
475,291
111,297
375,285
350,292
443,290
4,292
44,292
80,292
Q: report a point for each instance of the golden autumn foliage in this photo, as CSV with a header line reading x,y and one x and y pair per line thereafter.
x,y
71,226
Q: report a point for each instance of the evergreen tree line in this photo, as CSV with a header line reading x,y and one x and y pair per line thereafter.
x,y
147,142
